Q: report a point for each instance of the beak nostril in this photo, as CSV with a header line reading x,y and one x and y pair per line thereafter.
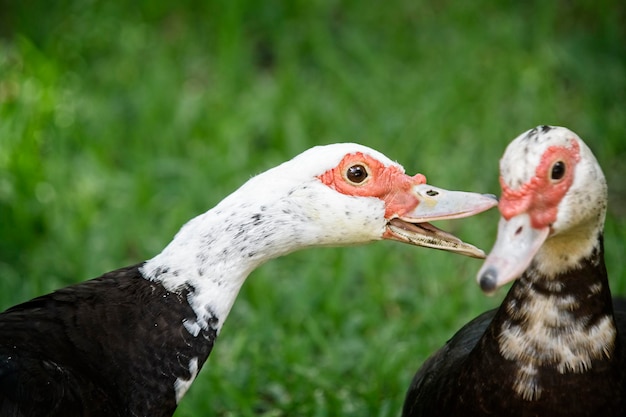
x,y
519,230
432,193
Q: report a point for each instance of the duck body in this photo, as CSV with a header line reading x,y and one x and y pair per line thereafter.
x,y
556,345
132,341
111,346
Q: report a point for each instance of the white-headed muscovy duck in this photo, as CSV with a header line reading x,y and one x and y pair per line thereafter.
x,y
555,347
131,342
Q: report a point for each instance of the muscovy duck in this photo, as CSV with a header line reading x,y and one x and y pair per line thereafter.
x,y
555,346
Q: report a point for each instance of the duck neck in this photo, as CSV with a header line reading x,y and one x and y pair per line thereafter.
x,y
213,254
562,322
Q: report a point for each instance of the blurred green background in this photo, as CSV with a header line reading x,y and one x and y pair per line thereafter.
x,y
119,121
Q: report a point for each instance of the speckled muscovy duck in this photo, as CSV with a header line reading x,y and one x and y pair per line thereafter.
x,y
555,347
131,342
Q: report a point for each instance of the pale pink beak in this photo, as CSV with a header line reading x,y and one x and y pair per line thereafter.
x,y
439,204
515,247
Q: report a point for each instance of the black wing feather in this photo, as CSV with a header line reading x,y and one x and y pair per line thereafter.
x,y
111,346
430,384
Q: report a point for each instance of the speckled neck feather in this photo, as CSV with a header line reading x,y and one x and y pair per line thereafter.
x,y
558,325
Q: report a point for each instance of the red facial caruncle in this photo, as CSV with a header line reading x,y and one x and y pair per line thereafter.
x,y
361,175
540,197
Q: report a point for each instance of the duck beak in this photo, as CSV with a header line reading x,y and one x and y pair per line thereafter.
x,y
515,247
434,203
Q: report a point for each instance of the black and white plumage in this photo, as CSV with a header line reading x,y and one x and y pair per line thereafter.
x,y
131,342
555,347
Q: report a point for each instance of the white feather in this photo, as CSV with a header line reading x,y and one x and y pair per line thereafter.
x,y
181,385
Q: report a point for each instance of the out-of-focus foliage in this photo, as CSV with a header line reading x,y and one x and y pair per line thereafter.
x,y
119,121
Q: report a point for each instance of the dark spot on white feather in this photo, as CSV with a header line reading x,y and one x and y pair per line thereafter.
x,y
160,271
190,289
256,219
201,257
212,319
531,134
208,239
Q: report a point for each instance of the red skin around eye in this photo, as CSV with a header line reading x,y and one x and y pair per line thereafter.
x,y
387,183
541,196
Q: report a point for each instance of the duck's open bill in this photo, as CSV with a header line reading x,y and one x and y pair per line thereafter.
x,y
439,204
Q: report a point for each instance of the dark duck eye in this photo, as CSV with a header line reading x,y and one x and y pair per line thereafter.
x,y
558,171
356,174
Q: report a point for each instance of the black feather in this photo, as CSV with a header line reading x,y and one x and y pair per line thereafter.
x,y
111,346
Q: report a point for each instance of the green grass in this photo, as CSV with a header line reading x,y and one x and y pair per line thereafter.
x,y
119,121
